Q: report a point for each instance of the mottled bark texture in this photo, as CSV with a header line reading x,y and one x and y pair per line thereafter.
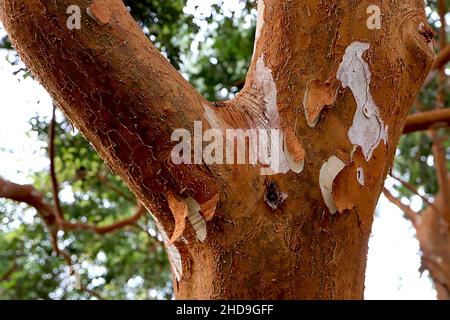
x,y
433,233
338,91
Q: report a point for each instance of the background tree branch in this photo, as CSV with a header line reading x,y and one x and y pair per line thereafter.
x,y
426,120
409,213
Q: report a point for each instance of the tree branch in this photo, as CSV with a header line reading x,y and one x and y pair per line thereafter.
x,y
444,55
79,286
411,188
140,211
55,188
29,195
119,91
103,178
409,213
440,161
438,147
91,292
442,58
425,120
9,272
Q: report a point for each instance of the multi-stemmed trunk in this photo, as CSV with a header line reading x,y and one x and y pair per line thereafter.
x,y
335,83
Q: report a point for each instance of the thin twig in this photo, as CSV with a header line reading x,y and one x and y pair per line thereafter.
x,y
410,213
438,147
31,196
411,188
8,273
440,161
140,211
104,179
54,180
79,286
427,120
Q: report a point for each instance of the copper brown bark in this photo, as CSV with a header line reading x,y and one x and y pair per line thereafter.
x,y
269,237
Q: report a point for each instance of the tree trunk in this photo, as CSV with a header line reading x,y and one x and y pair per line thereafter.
x,y
433,233
323,74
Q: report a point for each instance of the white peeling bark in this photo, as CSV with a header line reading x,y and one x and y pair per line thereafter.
x,y
368,129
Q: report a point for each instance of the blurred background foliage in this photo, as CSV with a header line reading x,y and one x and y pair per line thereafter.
x,y
212,49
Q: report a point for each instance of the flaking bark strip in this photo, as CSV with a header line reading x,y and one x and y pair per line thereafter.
x,y
179,210
173,253
328,173
318,95
99,10
295,153
208,209
196,219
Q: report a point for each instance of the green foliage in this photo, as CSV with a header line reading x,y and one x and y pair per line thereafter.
x,y
165,24
90,194
219,70
28,268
